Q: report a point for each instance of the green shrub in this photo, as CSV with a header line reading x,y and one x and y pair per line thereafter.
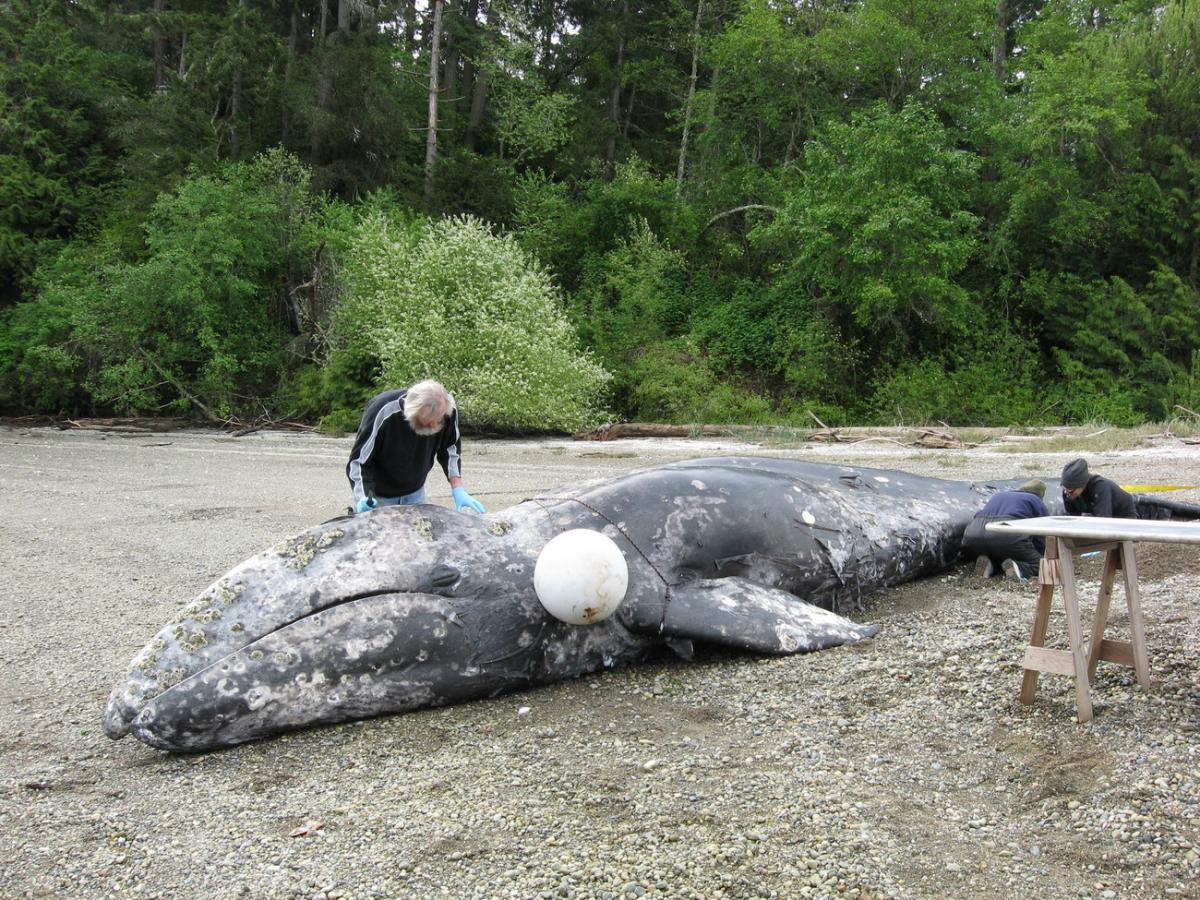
x,y
673,383
1085,394
878,227
739,332
468,183
334,394
452,300
41,368
46,379
993,383
1184,387
633,296
1116,346
570,229
195,321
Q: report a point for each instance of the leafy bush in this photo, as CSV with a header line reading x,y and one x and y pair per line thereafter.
x,y
1184,388
1083,394
878,229
544,213
739,332
569,229
201,321
470,184
1110,338
672,383
36,375
58,99
452,300
633,296
984,385
332,395
41,367
761,329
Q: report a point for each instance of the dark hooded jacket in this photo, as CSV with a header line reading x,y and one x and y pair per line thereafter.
x,y
1102,497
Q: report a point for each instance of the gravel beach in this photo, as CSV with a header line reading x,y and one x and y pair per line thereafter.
x,y
900,767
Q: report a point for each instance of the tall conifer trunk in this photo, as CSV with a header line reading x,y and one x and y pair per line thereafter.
x,y
410,25
479,89
160,48
614,98
687,103
471,26
1000,39
325,90
324,84
293,42
450,56
431,134
235,104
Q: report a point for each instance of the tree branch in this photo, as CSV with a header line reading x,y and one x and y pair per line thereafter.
x,y
208,413
738,209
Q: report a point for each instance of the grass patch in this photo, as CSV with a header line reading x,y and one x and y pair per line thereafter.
x,y
970,435
777,437
1101,439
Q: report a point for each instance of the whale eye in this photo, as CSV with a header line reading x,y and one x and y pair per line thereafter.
x,y
444,576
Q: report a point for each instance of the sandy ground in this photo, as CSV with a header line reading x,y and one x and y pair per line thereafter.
x,y
904,767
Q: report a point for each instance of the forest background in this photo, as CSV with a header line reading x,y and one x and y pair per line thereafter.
x,y
570,211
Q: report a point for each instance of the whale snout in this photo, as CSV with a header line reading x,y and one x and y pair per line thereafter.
x,y
117,715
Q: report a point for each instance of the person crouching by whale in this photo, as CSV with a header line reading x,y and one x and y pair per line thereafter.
x,y
401,434
1085,494
1014,555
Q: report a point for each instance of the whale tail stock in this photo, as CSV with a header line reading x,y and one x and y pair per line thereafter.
x,y
1153,506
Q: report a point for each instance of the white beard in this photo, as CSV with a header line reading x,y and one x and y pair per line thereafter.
x,y
426,432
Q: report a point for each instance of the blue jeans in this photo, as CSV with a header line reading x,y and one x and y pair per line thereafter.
x,y
417,496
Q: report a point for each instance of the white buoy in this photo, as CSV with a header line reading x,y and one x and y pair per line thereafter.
x,y
580,577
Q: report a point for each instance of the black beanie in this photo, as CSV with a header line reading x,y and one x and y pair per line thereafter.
x,y
1075,474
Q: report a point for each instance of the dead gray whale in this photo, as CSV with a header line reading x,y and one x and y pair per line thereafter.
x,y
408,607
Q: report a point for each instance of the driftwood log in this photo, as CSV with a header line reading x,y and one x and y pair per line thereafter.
x,y
906,437
149,425
619,430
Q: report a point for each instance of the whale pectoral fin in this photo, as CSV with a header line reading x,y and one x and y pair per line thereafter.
x,y
735,612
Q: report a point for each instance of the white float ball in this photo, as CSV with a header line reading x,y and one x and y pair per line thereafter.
x,y
580,577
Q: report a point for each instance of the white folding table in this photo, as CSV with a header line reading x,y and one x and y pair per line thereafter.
x,y
1066,538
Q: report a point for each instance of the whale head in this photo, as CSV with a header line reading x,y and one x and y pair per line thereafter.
x,y
400,608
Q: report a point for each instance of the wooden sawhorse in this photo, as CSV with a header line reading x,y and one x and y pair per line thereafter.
x,y
1058,568
1066,538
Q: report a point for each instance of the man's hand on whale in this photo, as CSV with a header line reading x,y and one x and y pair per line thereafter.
x,y
464,501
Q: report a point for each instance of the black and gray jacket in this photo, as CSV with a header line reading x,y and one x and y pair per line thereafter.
x,y
1102,497
389,459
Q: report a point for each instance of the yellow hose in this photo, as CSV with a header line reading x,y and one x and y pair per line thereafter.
x,y
1151,488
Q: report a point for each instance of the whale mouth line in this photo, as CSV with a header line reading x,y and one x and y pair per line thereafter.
x,y
344,601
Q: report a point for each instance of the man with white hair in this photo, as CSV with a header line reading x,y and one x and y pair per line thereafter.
x,y
401,434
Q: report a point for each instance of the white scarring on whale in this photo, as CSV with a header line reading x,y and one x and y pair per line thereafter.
x,y
409,607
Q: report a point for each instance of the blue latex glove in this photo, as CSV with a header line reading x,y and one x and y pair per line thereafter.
x,y
463,500
365,503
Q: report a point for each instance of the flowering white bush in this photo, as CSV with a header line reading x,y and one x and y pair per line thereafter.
x,y
456,302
